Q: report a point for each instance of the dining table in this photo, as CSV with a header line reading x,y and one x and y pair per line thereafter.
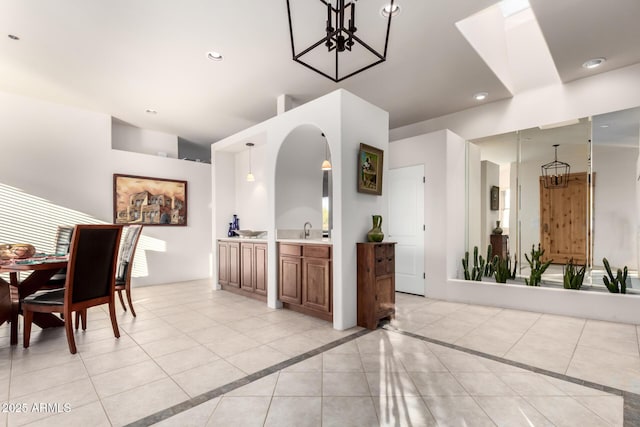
x,y
41,269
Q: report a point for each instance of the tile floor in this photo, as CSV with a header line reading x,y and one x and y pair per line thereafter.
x,y
214,358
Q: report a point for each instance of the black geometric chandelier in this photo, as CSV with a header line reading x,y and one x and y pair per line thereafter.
x,y
340,53
555,174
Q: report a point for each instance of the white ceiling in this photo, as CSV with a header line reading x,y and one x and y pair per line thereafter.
x,y
121,57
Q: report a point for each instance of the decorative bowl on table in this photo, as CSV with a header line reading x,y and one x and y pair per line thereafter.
x,y
249,233
17,251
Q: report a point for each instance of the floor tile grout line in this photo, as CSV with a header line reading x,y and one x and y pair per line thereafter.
x,y
219,391
523,335
631,401
558,375
575,348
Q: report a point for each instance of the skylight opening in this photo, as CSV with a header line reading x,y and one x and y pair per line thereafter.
x,y
511,7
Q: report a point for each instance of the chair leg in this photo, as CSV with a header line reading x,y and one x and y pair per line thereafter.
x,y
68,326
128,291
83,316
78,316
28,319
15,309
114,322
124,307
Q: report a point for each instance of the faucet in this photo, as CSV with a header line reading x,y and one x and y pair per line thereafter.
x,y
307,232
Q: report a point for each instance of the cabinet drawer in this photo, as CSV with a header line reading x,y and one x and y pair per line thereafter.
x,y
316,251
384,266
384,251
292,250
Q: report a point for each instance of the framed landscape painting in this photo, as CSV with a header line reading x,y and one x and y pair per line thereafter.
x,y
370,170
149,201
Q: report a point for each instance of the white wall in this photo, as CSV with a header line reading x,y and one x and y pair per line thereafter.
x,y
64,155
130,138
615,220
444,197
251,197
360,122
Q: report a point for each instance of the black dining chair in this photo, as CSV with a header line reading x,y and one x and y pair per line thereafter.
x,y
90,281
62,243
125,262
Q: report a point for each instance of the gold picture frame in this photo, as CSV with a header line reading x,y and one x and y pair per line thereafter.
x,y
370,169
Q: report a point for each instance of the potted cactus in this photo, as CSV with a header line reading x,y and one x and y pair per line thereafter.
x,y
573,276
478,266
537,267
502,269
617,284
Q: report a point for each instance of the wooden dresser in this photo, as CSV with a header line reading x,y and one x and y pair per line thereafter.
x,y
376,283
499,245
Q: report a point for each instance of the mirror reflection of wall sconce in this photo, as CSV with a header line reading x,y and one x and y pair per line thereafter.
x,y
326,165
494,198
250,177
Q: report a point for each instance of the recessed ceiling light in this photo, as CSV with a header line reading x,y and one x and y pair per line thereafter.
x,y
480,96
13,37
593,63
151,111
604,126
214,56
389,10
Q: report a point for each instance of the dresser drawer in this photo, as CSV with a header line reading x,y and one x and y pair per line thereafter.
x,y
385,266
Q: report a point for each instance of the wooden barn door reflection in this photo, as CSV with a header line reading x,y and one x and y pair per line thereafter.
x,y
565,219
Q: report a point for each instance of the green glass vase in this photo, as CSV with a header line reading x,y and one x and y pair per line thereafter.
x,y
376,234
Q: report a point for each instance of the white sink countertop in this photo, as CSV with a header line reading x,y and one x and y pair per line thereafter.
x,y
244,239
323,241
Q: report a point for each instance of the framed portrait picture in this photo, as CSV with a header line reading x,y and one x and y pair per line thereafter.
x,y
370,169
149,201
494,198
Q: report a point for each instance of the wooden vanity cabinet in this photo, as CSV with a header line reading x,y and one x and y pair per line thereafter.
x,y
376,283
229,263
305,279
290,277
242,268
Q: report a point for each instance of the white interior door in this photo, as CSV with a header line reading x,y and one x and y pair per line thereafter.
x,y
406,226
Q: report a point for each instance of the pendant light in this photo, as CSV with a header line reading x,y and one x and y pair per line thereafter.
x,y
250,177
555,174
326,165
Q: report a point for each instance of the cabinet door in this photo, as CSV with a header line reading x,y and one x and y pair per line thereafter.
x,y
246,266
316,284
234,264
260,269
223,263
290,280
385,295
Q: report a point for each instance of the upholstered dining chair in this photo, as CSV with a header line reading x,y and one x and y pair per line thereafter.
x,y
62,243
6,303
90,280
125,262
